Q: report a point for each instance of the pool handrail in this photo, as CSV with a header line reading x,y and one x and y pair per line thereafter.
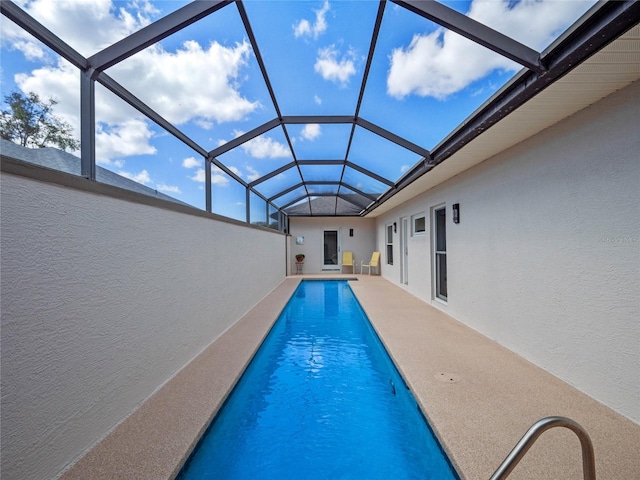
x,y
537,429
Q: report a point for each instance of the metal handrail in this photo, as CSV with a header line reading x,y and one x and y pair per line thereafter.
x,y
542,425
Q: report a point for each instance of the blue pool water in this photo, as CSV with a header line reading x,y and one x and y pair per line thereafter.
x,y
320,400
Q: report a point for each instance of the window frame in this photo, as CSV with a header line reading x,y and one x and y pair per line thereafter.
x,y
440,284
414,231
388,239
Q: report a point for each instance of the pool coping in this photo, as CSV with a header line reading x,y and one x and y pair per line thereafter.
x,y
467,407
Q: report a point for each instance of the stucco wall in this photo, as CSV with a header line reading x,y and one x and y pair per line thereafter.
x,y
546,257
361,244
103,300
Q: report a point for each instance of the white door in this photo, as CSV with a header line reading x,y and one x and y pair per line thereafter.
x,y
331,254
404,251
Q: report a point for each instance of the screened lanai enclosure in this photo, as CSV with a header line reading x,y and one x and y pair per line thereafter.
x,y
263,110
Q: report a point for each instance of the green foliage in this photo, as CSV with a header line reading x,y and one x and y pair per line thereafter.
x,y
29,122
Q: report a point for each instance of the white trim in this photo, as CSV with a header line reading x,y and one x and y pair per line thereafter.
x,y
336,267
404,250
437,255
388,243
414,232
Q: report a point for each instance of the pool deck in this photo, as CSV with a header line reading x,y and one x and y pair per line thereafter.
x,y
479,397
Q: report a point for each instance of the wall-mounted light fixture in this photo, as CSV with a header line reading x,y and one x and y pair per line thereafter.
x,y
456,213
395,227
351,232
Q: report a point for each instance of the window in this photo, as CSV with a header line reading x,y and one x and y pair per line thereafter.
x,y
389,238
419,224
440,252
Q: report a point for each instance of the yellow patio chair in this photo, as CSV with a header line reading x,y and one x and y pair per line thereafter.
x,y
374,262
348,261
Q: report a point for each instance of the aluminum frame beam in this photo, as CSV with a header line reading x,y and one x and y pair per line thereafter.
x,y
597,30
287,190
256,51
476,32
153,33
224,168
236,142
371,197
369,173
372,49
392,137
208,186
320,162
294,202
319,182
321,119
319,195
124,94
272,174
87,125
346,199
42,33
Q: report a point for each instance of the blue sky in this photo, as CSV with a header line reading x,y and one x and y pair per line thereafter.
x,y
424,81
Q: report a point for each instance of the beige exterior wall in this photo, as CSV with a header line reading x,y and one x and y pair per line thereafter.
x,y
361,244
546,257
103,301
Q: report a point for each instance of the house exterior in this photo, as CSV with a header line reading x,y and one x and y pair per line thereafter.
x,y
107,296
545,258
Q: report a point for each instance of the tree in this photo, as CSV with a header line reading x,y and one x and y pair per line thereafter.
x,y
30,122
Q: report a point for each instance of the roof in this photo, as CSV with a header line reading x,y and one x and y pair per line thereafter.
x,y
326,206
382,139
66,162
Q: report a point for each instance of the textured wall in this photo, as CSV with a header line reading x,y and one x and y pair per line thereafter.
x,y
546,258
103,300
361,244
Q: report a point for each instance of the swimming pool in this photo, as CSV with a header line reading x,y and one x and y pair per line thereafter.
x,y
320,400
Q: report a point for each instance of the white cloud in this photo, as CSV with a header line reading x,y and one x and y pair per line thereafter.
x,y
317,99
167,188
141,177
198,176
204,124
89,25
442,63
122,140
60,82
332,69
86,25
191,162
265,147
217,177
311,131
404,168
193,84
108,162
532,22
31,50
305,29
235,170
252,173
302,28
